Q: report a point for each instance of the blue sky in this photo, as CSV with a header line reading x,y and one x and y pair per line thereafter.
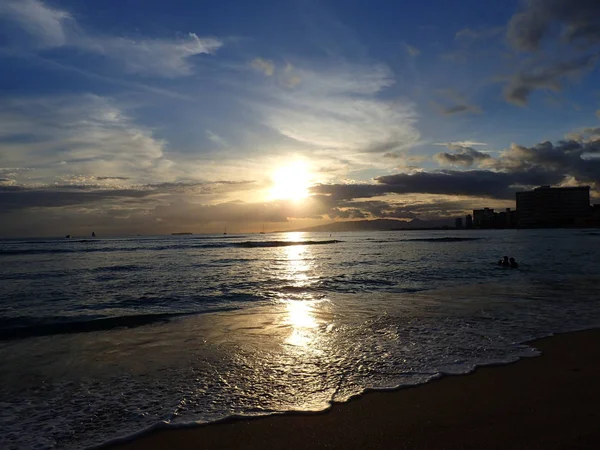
x,y
155,116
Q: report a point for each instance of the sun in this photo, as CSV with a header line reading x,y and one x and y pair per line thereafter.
x,y
290,182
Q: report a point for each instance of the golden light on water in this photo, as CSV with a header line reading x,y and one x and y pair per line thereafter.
x,y
300,312
302,321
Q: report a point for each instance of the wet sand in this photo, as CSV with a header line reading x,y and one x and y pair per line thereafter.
x,y
548,402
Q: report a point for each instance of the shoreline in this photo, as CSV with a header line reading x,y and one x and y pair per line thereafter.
x,y
541,402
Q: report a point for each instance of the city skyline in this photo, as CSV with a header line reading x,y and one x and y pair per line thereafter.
x,y
155,117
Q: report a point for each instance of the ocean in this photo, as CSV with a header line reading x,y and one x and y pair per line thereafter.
x,y
102,339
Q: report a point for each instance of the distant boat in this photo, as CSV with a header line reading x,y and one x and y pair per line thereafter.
x,y
68,236
225,231
263,229
93,234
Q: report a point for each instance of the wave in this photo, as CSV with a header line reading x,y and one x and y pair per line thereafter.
x,y
80,326
191,246
260,244
443,239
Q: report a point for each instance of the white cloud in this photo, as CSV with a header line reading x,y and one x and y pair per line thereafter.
x,y
339,110
460,143
82,135
163,57
215,138
47,25
263,65
50,28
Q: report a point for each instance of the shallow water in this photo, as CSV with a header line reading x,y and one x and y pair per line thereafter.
x,y
107,338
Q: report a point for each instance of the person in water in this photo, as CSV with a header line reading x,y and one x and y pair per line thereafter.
x,y
504,262
513,263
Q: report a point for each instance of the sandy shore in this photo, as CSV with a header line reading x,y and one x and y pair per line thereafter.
x,y
550,402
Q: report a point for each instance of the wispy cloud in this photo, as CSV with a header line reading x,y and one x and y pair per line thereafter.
x,y
460,143
579,20
161,57
83,135
564,27
470,34
412,50
339,109
551,77
47,27
263,65
455,103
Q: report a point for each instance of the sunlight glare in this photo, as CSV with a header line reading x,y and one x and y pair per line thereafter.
x,y
290,182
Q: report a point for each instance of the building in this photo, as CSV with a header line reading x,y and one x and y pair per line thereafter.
x,y
553,207
487,218
468,221
483,218
459,223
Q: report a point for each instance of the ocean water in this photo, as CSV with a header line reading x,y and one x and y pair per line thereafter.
x,y
102,339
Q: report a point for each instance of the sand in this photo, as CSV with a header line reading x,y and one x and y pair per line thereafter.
x,y
548,402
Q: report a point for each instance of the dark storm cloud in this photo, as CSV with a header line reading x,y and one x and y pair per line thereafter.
x,y
567,158
577,21
337,213
516,168
56,196
463,156
18,198
553,22
476,183
552,76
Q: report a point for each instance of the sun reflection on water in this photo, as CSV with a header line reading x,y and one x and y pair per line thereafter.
x,y
300,310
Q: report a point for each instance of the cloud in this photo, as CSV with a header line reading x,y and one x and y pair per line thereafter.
x,y
574,20
263,65
474,183
552,77
470,34
559,27
340,109
519,167
412,51
85,135
161,57
48,26
455,103
460,143
463,156
53,28
215,138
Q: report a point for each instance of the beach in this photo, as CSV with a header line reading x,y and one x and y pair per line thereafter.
x,y
546,402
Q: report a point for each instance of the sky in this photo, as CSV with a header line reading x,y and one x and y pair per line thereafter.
x,y
154,116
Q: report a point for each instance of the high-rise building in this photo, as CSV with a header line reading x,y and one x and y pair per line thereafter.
x,y
553,207
483,218
468,221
